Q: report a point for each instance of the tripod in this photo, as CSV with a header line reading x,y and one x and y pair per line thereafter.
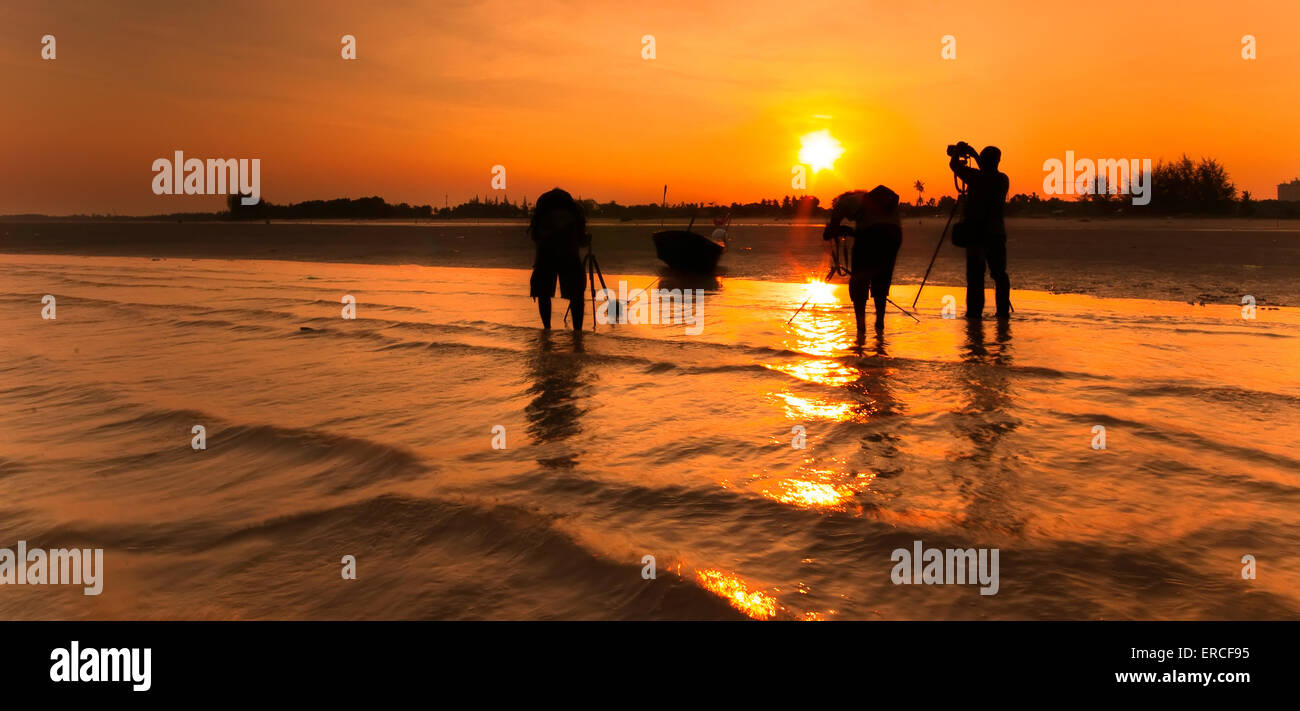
x,y
961,193
594,274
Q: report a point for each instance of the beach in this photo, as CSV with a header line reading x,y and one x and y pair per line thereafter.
x,y
373,437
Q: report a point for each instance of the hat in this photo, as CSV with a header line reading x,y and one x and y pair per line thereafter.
x,y
883,199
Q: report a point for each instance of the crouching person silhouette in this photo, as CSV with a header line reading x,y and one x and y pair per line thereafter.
x,y
877,235
559,229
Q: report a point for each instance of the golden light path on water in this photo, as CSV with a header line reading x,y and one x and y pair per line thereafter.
x,y
825,371
806,493
818,331
822,334
802,408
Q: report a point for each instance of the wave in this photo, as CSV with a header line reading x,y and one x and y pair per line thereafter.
x,y
524,565
1196,443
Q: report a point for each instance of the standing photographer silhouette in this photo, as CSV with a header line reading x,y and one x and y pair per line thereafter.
x,y
982,230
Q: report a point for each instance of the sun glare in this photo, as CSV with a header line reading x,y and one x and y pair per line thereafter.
x,y
821,293
819,150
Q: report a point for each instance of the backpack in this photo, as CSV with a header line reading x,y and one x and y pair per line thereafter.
x,y
965,234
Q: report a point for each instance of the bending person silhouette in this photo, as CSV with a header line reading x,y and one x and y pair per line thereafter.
x,y
559,228
877,235
984,230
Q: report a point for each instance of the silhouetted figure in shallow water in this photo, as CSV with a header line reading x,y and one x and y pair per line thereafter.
x,y
877,235
983,224
559,229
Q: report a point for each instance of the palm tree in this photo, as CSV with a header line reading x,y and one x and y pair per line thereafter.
x,y
920,190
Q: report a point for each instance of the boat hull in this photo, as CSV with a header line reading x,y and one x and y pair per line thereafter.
x,y
688,251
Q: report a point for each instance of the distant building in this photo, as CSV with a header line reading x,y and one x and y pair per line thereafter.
x,y
1289,192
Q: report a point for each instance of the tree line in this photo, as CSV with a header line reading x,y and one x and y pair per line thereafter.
x,y
1180,187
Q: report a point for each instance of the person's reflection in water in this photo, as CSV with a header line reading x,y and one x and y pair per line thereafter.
x,y
878,408
974,348
989,472
554,415
1004,338
984,376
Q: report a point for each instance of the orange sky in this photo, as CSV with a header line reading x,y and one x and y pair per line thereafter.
x,y
558,93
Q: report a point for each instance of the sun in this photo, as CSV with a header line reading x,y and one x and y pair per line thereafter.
x,y
819,150
821,293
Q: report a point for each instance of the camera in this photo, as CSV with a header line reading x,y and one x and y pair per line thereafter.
x,y
958,149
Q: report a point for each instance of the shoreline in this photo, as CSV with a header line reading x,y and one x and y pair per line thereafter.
x,y
1207,262
650,278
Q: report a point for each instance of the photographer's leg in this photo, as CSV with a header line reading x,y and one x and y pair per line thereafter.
x,y
541,286
858,293
576,307
880,291
997,258
573,280
860,313
974,282
544,310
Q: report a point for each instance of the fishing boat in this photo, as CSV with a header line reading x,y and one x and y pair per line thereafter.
x,y
689,251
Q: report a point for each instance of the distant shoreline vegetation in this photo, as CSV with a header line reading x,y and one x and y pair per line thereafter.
x,y
1182,188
